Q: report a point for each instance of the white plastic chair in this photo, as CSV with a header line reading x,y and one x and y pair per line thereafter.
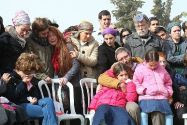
x,y
184,116
89,84
64,116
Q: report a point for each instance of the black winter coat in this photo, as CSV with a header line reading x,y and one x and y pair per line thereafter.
x,y
10,50
106,57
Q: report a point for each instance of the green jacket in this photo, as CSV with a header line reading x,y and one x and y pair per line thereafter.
x,y
44,51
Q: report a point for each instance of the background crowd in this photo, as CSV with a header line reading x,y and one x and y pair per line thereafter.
x,y
141,74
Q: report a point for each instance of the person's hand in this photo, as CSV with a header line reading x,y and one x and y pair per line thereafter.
x,y
26,79
74,54
63,81
32,100
6,77
181,88
48,79
122,86
92,111
178,105
170,100
99,87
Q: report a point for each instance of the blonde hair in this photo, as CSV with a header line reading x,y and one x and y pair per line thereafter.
x,y
28,63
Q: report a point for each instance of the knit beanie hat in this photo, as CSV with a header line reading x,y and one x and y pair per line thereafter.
x,y
85,25
109,31
171,25
21,17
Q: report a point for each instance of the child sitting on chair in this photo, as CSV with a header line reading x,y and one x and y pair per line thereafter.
x,y
109,103
21,91
154,86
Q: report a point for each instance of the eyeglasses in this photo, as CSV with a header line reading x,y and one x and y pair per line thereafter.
x,y
125,35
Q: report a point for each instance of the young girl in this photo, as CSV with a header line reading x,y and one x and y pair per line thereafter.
x,y
21,91
154,86
109,103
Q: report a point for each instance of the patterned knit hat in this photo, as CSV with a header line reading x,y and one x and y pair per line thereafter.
x,y
21,17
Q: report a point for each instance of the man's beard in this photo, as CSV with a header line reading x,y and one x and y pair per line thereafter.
x,y
143,32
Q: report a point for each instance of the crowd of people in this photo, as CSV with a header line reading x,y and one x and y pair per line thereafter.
x,y
141,74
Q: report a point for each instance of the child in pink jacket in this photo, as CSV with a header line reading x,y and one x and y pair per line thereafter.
x,y
154,86
109,103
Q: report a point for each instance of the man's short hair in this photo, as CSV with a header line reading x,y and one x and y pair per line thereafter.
x,y
103,13
120,50
139,18
40,24
159,29
153,18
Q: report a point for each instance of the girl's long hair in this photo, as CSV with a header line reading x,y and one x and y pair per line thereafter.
x,y
64,58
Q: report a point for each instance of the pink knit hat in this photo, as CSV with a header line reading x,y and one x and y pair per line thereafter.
x,y
21,17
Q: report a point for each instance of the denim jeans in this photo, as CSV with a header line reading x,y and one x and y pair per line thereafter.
x,y
112,115
144,119
43,109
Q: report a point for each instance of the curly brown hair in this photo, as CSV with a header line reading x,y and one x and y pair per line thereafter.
x,y
28,63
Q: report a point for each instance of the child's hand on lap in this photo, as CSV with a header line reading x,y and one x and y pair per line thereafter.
x,y
32,100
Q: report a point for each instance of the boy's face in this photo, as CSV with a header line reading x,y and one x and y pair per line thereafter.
x,y
26,77
153,25
105,21
122,76
162,35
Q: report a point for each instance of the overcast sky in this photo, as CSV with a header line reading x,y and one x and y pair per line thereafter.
x,y
71,12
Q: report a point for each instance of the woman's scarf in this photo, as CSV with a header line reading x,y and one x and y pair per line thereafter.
x,y
55,60
14,34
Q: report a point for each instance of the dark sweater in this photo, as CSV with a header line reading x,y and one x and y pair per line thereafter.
x,y
17,92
